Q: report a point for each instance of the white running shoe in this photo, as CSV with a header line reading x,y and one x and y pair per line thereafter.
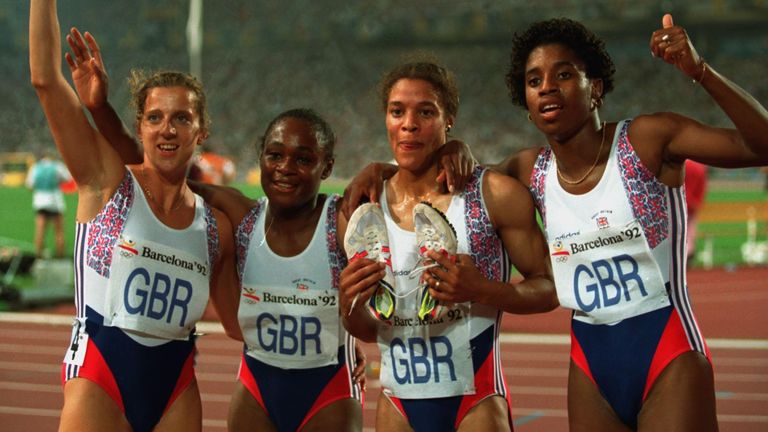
x,y
433,232
366,237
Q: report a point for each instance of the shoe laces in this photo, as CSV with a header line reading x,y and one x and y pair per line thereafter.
x,y
422,265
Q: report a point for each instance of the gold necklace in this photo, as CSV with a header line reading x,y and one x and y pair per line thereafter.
x,y
148,193
589,171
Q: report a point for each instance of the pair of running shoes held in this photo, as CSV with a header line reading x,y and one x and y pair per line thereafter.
x,y
366,237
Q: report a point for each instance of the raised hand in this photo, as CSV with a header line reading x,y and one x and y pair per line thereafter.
x,y
672,44
368,183
87,67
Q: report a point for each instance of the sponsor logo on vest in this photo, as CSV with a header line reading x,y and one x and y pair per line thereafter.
x,y
303,283
127,247
166,259
559,253
595,244
251,296
602,222
291,299
567,235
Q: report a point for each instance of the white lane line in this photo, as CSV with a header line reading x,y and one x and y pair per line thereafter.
x,y
35,412
735,418
30,349
30,387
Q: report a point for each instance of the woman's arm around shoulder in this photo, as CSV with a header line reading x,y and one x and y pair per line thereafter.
x,y
229,200
225,284
518,165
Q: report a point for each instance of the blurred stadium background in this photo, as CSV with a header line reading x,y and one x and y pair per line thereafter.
x,y
258,58
262,57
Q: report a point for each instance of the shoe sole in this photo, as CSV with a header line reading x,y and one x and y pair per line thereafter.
x,y
381,305
429,307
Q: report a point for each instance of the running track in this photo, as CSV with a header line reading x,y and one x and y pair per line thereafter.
x,y
730,307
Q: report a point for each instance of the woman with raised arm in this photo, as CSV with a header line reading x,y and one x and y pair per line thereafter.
x,y
428,282
148,252
288,259
612,200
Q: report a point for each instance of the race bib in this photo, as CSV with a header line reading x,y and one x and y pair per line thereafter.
x,y
429,358
607,275
155,289
78,343
290,328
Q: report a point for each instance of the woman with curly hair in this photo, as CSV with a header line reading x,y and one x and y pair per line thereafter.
x,y
612,201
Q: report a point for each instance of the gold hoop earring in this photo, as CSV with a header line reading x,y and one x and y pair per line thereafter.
x,y
448,128
529,118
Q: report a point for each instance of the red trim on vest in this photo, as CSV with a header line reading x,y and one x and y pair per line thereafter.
x,y
398,405
95,369
185,379
672,343
337,388
246,377
579,359
484,387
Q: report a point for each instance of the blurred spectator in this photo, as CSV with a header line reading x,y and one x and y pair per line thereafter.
x,y
695,190
212,168
45,178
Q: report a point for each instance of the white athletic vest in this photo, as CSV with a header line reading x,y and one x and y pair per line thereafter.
x,y
603,266
423,359
289,306
159,277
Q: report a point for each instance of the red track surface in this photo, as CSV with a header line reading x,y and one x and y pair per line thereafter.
x,y
728,306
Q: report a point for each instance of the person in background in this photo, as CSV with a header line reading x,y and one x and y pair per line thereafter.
x,y
695,191
45,178
212,168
